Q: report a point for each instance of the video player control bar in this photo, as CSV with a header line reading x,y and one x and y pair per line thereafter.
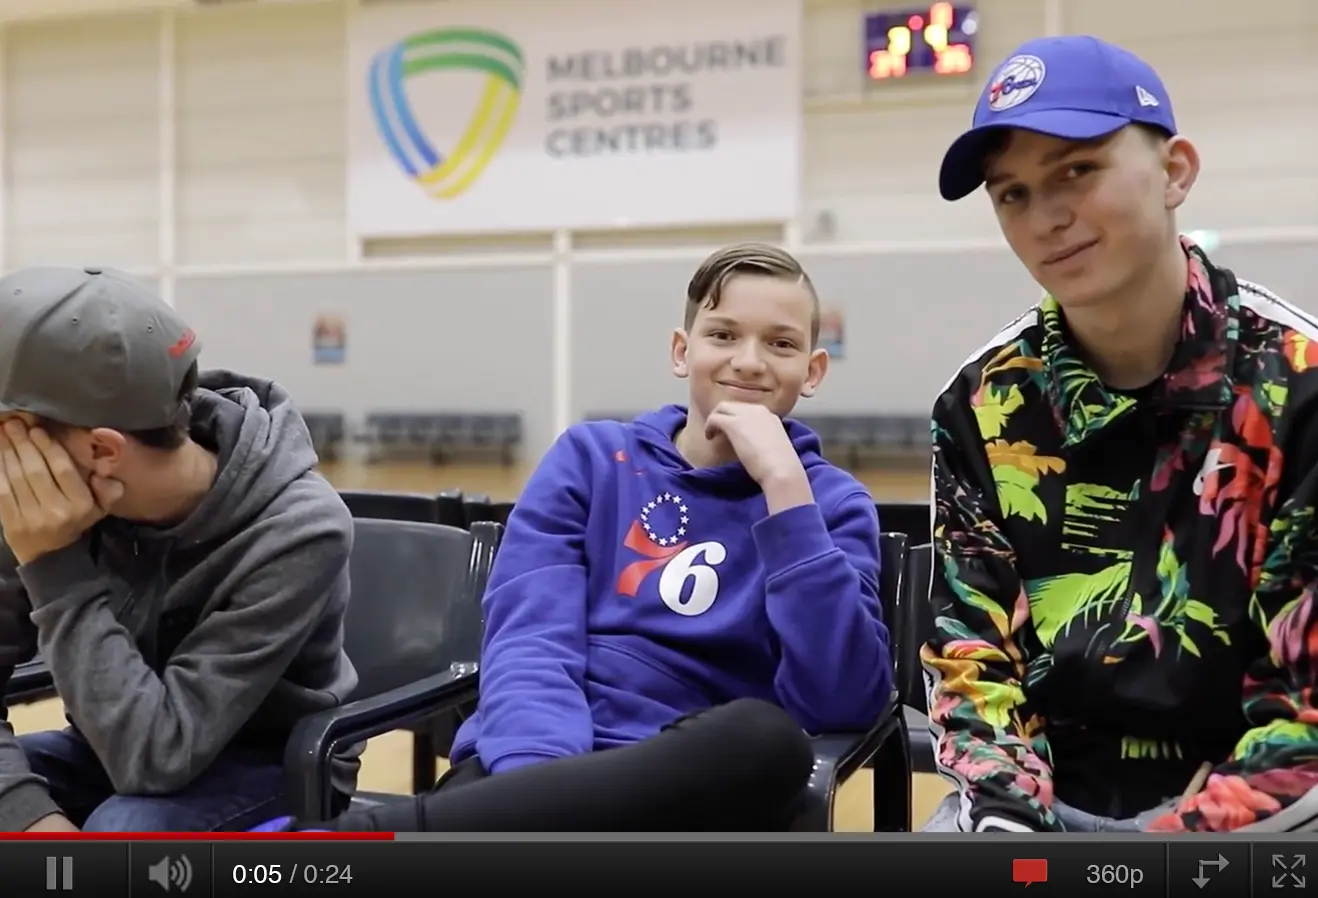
x,y
1036,867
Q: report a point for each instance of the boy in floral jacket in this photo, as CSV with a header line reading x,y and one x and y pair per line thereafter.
x,y
1125,482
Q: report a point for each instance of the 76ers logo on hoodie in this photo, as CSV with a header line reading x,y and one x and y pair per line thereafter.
x,y
688,583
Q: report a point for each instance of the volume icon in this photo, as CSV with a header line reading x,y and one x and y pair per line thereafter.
x,y
171,873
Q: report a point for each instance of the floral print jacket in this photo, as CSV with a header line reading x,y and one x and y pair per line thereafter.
x,y
1126,582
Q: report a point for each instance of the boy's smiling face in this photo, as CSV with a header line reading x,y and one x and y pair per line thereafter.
x,y
755,346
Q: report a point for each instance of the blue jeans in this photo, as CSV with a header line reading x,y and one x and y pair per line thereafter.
x,y
240,789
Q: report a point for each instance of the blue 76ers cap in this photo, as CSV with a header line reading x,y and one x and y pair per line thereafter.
x,y
1075,87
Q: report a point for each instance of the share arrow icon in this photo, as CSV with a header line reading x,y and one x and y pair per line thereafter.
x,y
1201,880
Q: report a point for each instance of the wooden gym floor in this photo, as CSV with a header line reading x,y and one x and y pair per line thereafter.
x,y
387,764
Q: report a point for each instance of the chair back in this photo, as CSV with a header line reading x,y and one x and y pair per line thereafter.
x,y
911,518
473,505
920,624
389,506
416,595
451,509
893,598
482,508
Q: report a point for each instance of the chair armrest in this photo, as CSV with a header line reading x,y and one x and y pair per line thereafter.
x,y
316,737
923,749
837,757
30,682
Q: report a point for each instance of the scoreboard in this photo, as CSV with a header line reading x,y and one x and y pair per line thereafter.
x,y
938,40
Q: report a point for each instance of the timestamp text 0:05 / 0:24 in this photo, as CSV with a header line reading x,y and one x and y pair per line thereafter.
x,y
273,874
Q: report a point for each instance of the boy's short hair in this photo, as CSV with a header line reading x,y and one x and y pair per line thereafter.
x,y
763,259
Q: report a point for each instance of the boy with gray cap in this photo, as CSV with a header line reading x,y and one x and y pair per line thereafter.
x,y
171,551
1125,490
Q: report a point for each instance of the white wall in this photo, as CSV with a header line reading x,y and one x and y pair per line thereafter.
x,y
261,134
230,123
82,161
1243,85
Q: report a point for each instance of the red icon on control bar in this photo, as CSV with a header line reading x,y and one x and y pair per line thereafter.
x,y
1029,870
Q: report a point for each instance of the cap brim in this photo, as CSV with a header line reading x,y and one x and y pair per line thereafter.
x,y
963,165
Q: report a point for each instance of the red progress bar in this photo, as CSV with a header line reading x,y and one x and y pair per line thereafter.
x,y
197,837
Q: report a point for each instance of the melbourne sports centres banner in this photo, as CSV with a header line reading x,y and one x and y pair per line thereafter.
x,y
520,115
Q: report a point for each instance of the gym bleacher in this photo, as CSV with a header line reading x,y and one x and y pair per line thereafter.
x,y
856,440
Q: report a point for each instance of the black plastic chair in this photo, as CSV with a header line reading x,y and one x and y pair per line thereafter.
x,y
438,740
839,755
451,510
911,518
434,739
328,431
482,508
413,631
30,682
428,737
391,506
915,701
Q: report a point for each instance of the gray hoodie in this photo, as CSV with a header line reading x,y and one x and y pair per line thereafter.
x,y
167,645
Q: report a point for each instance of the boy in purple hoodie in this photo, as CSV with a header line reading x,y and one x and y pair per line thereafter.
x,y
678,600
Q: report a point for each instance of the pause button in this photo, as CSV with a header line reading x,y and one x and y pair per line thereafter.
x,y
59,873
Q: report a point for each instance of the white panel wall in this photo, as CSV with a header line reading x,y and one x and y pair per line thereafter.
x,y
82,142
1243,78
257,137
261,109
1244,85
32,10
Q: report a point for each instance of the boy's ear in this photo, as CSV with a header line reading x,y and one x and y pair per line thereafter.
x,y
815,376
1181,162
678,353
99,451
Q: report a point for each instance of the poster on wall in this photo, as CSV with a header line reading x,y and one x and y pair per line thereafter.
x,y
833,333
329,340
504,115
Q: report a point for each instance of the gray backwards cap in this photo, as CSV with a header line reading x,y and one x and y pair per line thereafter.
x,y
91,347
